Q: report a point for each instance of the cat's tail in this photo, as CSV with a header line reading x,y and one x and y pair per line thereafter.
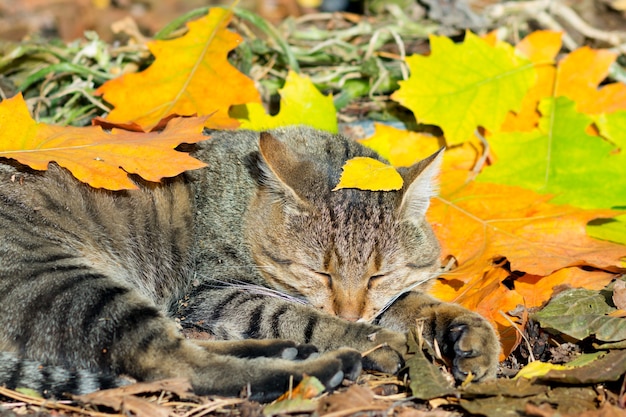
x,y
51,381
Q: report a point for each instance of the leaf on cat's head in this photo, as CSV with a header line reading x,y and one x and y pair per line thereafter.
x,y
369,174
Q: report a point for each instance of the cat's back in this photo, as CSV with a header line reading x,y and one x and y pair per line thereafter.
x,y
139,236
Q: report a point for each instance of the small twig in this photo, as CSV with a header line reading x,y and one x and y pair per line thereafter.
x,y
480,163
567,14
204,409
544,10
528,345
367,352
51,405
548,22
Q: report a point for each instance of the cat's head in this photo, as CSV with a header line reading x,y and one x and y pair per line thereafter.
x,y
348,252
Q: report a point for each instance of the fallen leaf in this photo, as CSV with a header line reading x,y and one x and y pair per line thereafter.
x,y
298,400
459,87
619,294
125,401
301,103
190,75
402,148
535,236
537,369
537,290
356,397
606,410
561,158
580,73
613,230
369,174
479,224
609,367
101,159
580,313
541,48
568,401
511,388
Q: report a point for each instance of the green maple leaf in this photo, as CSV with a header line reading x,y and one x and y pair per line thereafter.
x,y
462,86
613,229
560,158
301,103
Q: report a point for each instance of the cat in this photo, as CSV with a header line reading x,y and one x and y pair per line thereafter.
x,y
272,261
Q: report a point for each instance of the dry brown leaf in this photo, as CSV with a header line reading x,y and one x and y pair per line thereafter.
x,y
124,399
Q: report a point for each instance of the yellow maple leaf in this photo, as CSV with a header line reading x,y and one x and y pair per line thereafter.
x,y
190,76
301,103
101,159
462,86
369,174
402,148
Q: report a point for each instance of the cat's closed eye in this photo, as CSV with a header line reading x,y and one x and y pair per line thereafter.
x,y
373,280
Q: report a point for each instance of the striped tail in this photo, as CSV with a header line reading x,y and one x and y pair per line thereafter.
x,y
51,381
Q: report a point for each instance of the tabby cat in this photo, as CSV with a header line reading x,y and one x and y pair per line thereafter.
x,y
90,279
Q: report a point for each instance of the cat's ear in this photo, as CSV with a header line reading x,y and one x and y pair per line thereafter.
x,y
285,172
420,185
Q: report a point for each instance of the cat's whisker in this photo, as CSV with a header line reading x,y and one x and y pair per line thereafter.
x,y
410,288
244,286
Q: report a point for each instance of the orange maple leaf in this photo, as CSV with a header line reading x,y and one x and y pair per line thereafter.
x,y
576,76
190,75
101,159
580,73
479,224
541,47
535,236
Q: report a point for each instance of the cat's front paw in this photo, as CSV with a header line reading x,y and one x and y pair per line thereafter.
x,y
387,353
472,345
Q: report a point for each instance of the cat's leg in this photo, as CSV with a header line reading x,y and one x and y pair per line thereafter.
x,y
465,337
254,348
235,314
224,374
70,315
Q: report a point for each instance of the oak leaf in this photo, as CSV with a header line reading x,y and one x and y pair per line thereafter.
x,y
301,103
462,86
101,159
190,76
